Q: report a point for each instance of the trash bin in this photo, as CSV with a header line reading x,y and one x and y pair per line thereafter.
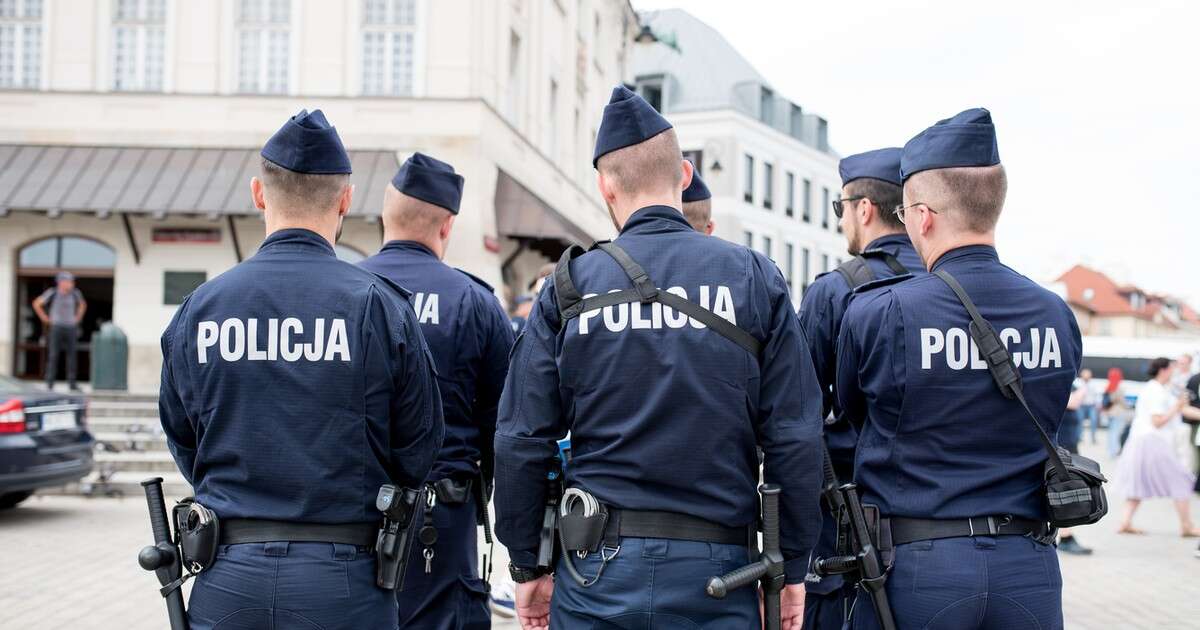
x,y
110,358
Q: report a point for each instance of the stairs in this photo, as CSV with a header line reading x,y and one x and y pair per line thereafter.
x,y
130,447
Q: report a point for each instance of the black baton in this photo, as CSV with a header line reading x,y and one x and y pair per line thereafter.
x,y
163,556
768,569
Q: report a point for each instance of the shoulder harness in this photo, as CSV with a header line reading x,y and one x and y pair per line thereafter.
x,y
857,272
571,304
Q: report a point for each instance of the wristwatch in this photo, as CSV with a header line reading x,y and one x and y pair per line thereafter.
x,y
520,575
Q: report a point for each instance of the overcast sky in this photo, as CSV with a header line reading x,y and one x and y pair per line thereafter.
x,y
1096,106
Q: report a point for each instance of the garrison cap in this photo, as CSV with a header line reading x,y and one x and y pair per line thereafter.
x,y
968,139
882,164
628,120
307,143
430,180
696,191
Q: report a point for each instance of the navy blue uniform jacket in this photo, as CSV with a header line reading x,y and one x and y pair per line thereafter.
x,y
469,336
663,414
294,385
937,438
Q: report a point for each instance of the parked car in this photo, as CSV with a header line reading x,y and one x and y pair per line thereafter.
x,y
44,441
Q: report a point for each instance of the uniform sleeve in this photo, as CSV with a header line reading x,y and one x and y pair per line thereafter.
x,y
789,426
529,424
816,320
415,426
497,343
870,344
177,426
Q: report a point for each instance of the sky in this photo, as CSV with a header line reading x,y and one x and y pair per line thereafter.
x,y
1096,106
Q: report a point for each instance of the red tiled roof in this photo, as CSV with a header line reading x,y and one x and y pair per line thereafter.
x,y
1105,296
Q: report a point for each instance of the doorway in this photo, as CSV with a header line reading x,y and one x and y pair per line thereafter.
x,y
92,263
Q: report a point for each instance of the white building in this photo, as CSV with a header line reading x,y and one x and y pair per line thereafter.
x,y
129,129
767,162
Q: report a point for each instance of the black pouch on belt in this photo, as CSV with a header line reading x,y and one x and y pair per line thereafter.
x,y
199,534
581,521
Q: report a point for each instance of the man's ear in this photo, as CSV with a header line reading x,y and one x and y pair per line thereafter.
x,y
257,194
446,227
606,188
708,229
688,172
865,211
346,200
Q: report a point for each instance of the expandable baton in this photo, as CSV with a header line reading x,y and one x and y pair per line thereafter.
x,y
547,556
392,544
864,561
163,556
768,569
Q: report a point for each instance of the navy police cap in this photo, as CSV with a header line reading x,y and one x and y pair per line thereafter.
x,y
430,180
968,139
307,143
628,119
881,164
696,191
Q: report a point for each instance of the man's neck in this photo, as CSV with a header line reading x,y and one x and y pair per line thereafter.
x,y
935,251
626,207
872,234
434,245
325,228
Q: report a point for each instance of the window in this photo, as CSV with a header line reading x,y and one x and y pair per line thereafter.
x,y
789,263
766,106
807,202
388,47
552,120
767,247
651,89
138,45
748,192
789,201
768,185
796,124
512,101
804,273
68,251
825,208
748,238
264,46
824,263
177,285
838,224
697,159
20,43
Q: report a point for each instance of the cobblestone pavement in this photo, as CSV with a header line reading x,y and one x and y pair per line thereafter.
x,y
68,562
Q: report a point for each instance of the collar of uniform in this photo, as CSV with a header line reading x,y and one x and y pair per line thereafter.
x,y
297,237
969,252
889,241
407,246
655,219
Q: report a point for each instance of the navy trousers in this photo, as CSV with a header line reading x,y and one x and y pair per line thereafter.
x,y
451,596
993,583
291,586
827,611
654,584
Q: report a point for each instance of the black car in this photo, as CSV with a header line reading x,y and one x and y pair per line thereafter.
x,y
43,440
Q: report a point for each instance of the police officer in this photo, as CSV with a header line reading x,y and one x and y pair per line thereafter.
x,y
880,249
665,394
293,386
954,465
697,205
469,337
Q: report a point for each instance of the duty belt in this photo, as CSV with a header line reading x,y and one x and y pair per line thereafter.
x,y
907,530
672,526
236,531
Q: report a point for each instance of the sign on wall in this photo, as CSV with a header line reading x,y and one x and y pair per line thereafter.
x,y
185,235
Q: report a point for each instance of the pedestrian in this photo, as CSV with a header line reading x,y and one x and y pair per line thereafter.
x,y
469,337
952,463
1089,416
1070,432
1149,467
1117,409
697,205
880,249
666,396
61,325
294,385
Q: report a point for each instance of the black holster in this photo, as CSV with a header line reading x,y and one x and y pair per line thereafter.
x,y
199,534
394,541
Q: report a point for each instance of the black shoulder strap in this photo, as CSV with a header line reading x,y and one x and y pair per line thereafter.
x,y
856,271
891,261
571,303
999,362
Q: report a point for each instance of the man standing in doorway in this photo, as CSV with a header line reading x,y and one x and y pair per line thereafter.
x,y
66,308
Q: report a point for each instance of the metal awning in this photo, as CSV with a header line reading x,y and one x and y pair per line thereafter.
x,y
520,213
156,181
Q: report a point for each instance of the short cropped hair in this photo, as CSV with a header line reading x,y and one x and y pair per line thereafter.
x,y
885,195
646,166
411,215
302,193
698,213
975,193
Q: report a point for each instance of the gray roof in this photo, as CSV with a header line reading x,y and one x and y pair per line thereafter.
x,y
154,180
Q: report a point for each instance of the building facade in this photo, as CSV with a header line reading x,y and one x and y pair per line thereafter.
x,y
1105,308
129,128
767,162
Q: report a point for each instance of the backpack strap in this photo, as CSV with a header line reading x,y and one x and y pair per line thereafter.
x,y
571,303
999,362
856,271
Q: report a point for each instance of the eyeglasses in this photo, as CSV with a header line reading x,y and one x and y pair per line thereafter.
x,y
900,208
837,204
